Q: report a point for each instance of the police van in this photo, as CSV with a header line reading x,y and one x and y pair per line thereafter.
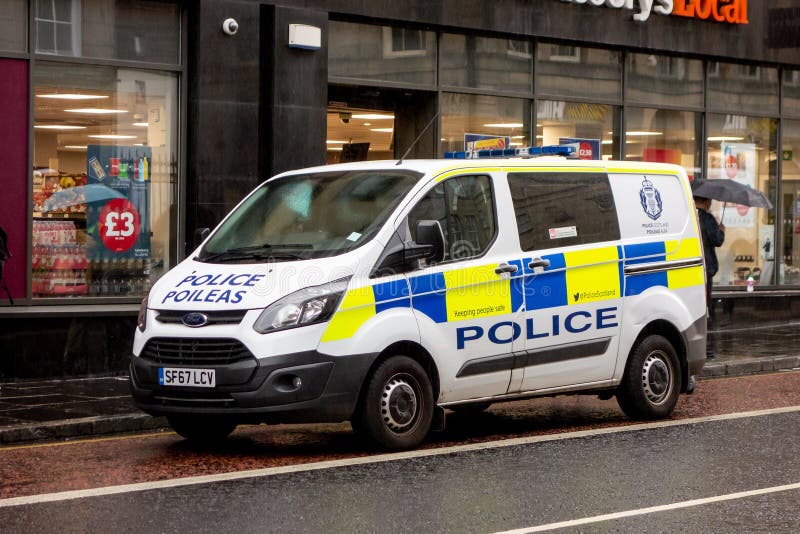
x,y
388,293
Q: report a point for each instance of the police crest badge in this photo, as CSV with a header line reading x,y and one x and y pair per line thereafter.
x,y
650,199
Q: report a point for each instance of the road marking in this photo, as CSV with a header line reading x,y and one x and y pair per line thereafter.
x,y
653,509
165,432
380,458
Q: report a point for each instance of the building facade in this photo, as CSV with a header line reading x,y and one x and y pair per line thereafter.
x,y
129,125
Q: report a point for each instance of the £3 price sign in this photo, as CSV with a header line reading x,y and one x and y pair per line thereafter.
x,y
119,225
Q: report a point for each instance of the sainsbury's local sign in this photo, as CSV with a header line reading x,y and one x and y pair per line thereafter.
x,y
726,11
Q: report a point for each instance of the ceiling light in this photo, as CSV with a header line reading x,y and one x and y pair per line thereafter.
x,y
75,147
72,96
387,130
367,124
515,144
642,134
58,127
96,111
112,136
504,125
606,142
334,148
142,124
517,137
725,138
331,142
372,116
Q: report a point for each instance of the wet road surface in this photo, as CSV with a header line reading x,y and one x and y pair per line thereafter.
x,y
469,491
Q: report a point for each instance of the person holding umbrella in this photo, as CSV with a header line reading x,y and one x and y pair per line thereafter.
x,y
713,234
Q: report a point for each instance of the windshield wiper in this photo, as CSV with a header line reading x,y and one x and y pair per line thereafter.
x,y
259,252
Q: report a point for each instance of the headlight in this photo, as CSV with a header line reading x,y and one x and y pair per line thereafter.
x,y
141,321
307,306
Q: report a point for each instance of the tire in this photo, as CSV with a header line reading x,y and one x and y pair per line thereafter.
x,y
397,407
200,428
470,409
652,381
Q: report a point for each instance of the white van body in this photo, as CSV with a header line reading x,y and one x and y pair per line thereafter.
x,y
590,279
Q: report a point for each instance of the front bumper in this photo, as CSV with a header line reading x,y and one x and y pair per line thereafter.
x,y
259,390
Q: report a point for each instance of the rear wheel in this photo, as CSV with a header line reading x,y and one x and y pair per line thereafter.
x,y
201,428
397,408
652,381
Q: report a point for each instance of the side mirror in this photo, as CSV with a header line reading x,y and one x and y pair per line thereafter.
x,y
200,235
430,234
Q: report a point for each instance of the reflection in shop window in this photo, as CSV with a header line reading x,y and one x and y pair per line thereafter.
x,y
749,72
743,148
713,69
400,42
558,122
104,147
58,27
568,54
482,121
665,136
519,48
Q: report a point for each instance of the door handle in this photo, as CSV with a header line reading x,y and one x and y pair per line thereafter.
x,y
506,268
538,262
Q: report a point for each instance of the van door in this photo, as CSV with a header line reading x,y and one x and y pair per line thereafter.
x,y
463,304
568,232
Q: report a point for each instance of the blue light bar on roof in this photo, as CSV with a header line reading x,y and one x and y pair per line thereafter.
x,y
526,152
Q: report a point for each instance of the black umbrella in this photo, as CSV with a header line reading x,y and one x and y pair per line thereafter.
x,y
730,191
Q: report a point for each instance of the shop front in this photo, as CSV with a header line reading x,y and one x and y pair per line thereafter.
x,y
133,124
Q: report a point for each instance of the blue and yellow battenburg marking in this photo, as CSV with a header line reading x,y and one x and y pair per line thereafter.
x,y
571,278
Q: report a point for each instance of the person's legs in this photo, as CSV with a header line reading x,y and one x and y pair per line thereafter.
x,y
710,310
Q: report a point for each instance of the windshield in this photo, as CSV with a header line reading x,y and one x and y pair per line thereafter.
x,y
309,216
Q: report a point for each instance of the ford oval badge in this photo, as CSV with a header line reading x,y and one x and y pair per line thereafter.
x,y
195,319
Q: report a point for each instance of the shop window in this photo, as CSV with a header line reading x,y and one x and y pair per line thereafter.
x,y
104,173
568,71
664,135
485,63
743,148
58,28
713,69
385,53
141,30
789,272
14,26
663,80
744,88
560,122
482,121
562,209
464,207
791,93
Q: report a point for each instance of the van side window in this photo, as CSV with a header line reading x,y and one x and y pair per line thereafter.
x,y
464,206
563,209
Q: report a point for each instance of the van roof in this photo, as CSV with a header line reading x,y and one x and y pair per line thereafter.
x,y
437,166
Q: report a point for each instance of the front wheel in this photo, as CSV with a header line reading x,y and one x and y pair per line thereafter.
x,y
397,408
201,429
652,381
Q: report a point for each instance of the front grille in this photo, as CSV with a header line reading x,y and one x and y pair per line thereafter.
x,y
214,317
195,351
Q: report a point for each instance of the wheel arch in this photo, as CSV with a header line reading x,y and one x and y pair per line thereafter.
x,y
414,351
672,334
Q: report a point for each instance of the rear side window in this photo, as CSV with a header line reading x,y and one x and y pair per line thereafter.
x,y
464,207
563,209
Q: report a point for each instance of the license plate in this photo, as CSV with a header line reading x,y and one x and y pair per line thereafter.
x,y
198,378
